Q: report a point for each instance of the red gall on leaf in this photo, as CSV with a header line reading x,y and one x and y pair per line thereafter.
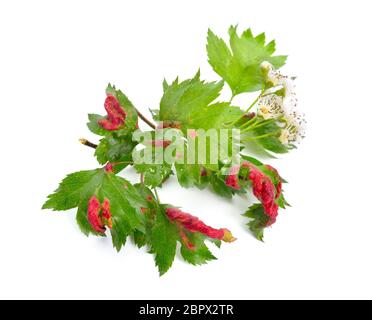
x,y
185,240
109,168
265,191
193,224
106,213
115,115
263,188
94,208
203,172
160,143
99,215
279,185
169,124
249,116
232,180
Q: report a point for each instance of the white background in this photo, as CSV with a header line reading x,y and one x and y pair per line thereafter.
x,y
56,58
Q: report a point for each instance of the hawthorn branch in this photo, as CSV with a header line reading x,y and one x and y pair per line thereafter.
x,y
87,143
142,179
144,119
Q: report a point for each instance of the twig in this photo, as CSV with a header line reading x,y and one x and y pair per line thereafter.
x,y
142,180
157,195
232,98
144,119
87,143
249,108
94,146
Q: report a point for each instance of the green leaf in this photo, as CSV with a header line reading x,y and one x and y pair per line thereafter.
x,y
149,212
165,85
125,207
239,64
190,103
164,235
182,101
131,118
200,254
77,189
252,160
223,62
267,135
216,242
150,161
139,239
82,219
155,114
282,202
115,150
219,186
189,175
154,174
94,126
131,112
216,116
258,221
73,188
164,241
256,149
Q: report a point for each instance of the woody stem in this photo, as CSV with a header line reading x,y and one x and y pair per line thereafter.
x,y
87,143
144,119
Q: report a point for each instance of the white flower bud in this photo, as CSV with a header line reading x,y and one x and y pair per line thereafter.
x,y
284,135
266,66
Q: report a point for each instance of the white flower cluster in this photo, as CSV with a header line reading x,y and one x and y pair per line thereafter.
x,y
280,102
